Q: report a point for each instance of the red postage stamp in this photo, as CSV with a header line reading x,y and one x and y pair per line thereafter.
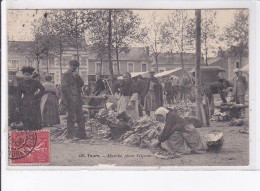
x,y
29,147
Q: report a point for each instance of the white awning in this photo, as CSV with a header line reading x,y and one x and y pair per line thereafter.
x,y
170,72
245,68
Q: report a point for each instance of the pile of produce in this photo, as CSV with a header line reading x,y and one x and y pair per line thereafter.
x,y
58,134
219,116
236,122
184,109
143,132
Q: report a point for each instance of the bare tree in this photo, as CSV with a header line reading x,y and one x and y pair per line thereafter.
x,y
97,34
110,46
125,30
209,30
197,71
175,32
153,37
237,33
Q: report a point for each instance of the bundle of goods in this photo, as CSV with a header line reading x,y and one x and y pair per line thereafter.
x,y
219,116
236,122
16,125
143,132
118,124
58,134
102,116
233,110
214,141
184,109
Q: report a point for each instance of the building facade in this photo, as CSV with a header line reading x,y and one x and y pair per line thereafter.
x,y
229,60
136,60
169,61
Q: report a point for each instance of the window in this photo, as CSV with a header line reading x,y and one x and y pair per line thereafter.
x,y
130,67
98,67
144,67
115,68
15,63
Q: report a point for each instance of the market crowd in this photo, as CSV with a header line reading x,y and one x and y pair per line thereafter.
x,y
39,104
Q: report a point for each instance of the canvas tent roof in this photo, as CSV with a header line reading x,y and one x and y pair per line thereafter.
x,y
176,71
245,68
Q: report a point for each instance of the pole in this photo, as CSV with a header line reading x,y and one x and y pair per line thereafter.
x,y
197,71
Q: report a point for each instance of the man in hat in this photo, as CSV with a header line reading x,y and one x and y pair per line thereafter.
x,y
71,85
240,87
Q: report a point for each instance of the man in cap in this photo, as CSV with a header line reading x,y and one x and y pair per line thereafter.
x,y
71,85
240,87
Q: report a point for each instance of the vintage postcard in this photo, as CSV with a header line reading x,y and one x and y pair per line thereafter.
x,y
128,87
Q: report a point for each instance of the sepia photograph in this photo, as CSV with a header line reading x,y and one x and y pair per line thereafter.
x,y
128,87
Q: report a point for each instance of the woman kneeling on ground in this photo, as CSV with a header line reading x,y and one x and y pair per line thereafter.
x,y
178,134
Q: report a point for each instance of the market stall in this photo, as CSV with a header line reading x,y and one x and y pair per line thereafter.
x,y
209,74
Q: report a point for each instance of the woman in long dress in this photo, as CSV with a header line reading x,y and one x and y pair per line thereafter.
x,y
128,101
49,104
178,135
29,96
154,96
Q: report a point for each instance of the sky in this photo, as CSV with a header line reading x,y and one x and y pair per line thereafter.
x,y
20,21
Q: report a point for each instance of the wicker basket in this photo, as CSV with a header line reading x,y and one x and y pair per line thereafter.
x,y
214,141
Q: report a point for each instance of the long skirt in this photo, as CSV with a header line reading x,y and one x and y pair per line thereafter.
x,y
150,102
122,107
185,142
30,113
49,110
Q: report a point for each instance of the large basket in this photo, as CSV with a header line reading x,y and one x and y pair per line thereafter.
x,y
214,141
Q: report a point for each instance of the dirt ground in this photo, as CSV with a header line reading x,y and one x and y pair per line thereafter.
x,y
235,152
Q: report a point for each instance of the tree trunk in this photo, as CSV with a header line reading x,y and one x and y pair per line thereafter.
x,y
77,44
197,71
206,50
117,61
182,64
47,62
109,47
101,64
156,53
156,62
60,59
241,55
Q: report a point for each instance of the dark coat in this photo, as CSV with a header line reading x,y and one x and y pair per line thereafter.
x,y
71,87
29,103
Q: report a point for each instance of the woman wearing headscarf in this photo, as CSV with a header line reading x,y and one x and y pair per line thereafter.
x,y
178,135
128,101
29,95
49,103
